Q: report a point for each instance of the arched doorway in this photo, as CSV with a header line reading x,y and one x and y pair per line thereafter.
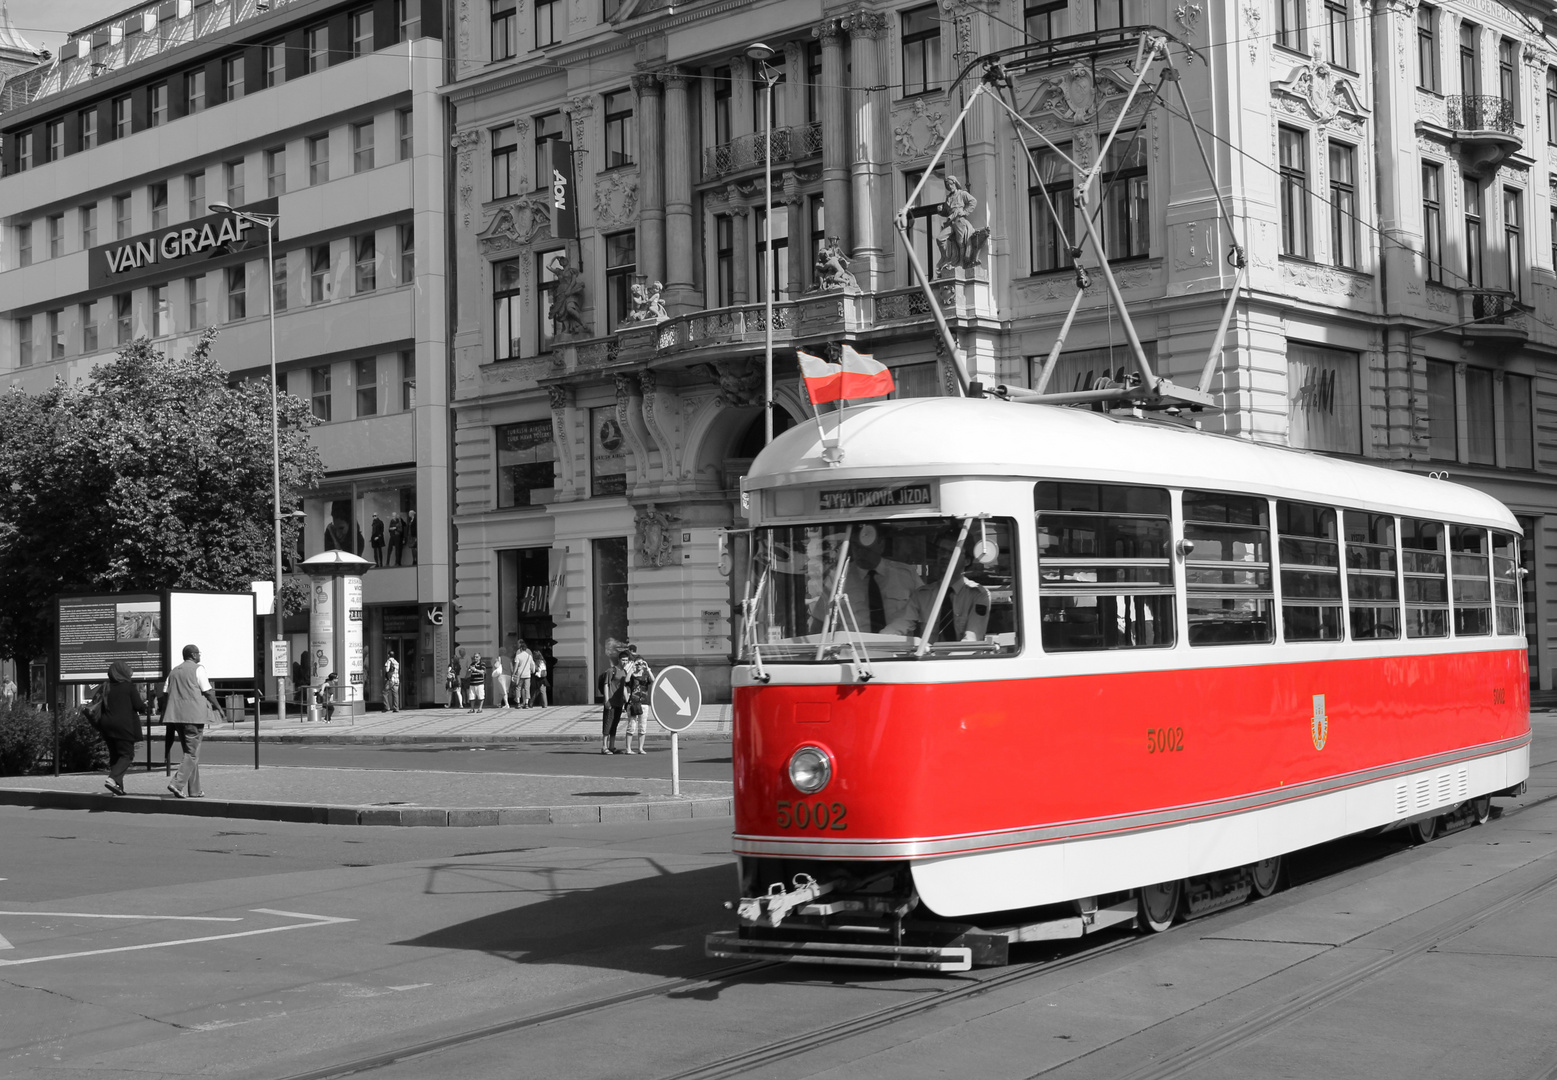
x,y
751,441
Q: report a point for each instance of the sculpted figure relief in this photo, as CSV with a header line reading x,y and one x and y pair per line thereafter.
x,y
961,245
832,267
567,305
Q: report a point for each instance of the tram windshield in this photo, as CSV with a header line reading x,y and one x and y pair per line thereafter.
x,y
922,588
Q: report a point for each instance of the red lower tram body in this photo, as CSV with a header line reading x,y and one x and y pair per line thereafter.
x,y
960,817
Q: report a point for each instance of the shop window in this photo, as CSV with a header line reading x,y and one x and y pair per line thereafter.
x,y
526,461
1324,398
607,453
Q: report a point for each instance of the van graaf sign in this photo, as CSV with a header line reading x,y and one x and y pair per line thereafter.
x,y
162,252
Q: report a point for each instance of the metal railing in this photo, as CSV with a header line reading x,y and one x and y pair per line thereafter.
x,y
747,152
1491,306
1480,112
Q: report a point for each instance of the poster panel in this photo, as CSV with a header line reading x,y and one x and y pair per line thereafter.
x,y
321,631
94,631
220,624
351,639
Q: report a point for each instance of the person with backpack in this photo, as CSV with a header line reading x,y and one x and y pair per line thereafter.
x,y
119,723
392,684
327,694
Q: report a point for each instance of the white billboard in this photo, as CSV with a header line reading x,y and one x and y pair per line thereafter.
x,y
220,625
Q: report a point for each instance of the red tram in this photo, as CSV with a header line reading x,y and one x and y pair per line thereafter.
x,y
1011,672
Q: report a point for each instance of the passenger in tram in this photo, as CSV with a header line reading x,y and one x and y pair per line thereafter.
x,y
879,588
964,616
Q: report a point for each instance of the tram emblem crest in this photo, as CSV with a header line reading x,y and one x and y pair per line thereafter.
x,y
1319,728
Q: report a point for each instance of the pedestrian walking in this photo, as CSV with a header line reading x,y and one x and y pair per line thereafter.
x,y
502,677
120,726
524,672
451,683
327,695
613,694
477,674
391,684
192,704
539,680
8,693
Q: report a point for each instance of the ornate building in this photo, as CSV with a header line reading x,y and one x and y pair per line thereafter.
x,y
1388,168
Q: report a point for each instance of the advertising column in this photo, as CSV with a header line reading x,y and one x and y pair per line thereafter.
x,y
335,626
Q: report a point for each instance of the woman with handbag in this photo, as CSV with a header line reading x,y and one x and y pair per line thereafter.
x,y
120,725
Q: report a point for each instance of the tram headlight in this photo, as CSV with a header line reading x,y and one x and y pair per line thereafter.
x,y
810,769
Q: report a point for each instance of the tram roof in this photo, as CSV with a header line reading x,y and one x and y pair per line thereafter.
x,y
991,437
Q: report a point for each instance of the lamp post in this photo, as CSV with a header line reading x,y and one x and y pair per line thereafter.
x,y
760,53
268,223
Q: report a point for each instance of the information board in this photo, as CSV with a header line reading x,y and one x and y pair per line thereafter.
x,y
94,631
220,624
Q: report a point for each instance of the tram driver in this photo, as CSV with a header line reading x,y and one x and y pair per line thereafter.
x,y
879,588
964,616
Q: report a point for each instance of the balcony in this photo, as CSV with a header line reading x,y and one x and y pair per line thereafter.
x,y
1492,316
747,152
1484,128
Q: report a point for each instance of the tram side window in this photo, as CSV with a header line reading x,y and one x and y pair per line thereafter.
x,y
1426,576
1505,583
1471,567
1227,569
1310,572
1105,573
1372,590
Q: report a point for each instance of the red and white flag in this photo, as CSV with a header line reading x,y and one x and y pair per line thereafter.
x,y
858,376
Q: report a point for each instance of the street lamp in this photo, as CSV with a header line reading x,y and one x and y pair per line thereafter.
x,y
761,54
268,223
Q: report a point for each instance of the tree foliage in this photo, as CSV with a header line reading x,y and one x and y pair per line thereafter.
x,y
155,473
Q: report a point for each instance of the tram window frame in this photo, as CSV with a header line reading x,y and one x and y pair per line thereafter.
x,y
1310,587
1472,610
1422,567
1222,593
1138,610
1507,598
1372,557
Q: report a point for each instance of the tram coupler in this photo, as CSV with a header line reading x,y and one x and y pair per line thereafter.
x,y
774,906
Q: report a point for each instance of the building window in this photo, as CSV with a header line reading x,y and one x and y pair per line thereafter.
x,y
56,224
319,283
545,294
1553,234
403,127
505,29
278,283
123,117
777,100
87,122
505,310
54,147
1324,399
526,462
1051,239
1113,14
407,254
362,147
505,161
24,151
1442,423
319,391
1427,47
1480,417
159,204
1473,232
925,215
194,186
1518,422
548,128
1289,24
408,379
88,226
234,177
318,159
89,334
195,290
318,39
813,82
233,77
276,172
1126,202
159,105
1514,239
816,214
1470,70
1343,205
275,63
1432,220
361,32
408,17
921,50
367,263
121,216
621,135
124,318
1551,106
367,386
546,22
780,253
1294,192
621,262
24,341
1338,19
237,293
1508,74
723,88
724,259
194,92
24,245
161,312
1046,20
56,321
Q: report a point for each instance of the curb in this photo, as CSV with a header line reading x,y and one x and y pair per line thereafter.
x,y
410,816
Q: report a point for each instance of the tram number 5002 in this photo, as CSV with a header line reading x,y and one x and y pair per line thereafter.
x,y
817,815
1164,740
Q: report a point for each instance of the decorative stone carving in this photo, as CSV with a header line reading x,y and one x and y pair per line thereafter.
x,y
561,399
616,200
961,245
1324,92
1191,244
580,108
567,305
517,224
464,143
646,84
864,24
1077,94
919,131
832,267
827,31
656,535
740,381
1325,280
647,306
1251,20
1188,16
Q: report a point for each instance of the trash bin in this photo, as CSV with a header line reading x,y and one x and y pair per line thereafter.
x,y
235,708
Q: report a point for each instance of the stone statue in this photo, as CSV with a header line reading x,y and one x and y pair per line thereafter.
x,y
832,267
567,304
740,382
961,244
647,305
655,535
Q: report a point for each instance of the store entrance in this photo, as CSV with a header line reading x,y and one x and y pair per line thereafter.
x,y
401,639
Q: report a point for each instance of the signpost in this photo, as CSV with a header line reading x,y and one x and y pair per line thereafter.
x,y
675,698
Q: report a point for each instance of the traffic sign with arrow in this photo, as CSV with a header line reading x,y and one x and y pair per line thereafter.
x,y
675,698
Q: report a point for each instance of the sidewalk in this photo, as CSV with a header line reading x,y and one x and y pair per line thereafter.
x,y
558,722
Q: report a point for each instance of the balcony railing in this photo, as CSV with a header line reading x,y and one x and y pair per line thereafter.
x,y
788,144
1480,112
1491,307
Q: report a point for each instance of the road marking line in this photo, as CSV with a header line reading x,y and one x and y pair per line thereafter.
x,y
314,920
89,915
4,944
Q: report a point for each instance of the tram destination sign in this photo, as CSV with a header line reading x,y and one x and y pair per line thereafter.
x,y
164,252
904,495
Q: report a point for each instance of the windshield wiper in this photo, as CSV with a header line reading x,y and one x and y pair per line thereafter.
x,y
839,607
927,631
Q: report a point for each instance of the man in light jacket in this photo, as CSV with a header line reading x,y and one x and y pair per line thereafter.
x,y
191,703
524,671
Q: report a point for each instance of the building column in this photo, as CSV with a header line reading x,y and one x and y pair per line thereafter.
x,y
800,253
835,133
680,291
740,254
871,165
651,177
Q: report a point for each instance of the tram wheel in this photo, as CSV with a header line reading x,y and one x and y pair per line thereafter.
x,y
1482,809
1423,831
1265,876
1158,905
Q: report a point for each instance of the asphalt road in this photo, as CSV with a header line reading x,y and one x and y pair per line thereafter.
x,y
290,951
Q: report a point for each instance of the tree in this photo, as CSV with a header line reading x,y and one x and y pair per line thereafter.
x,y
154,474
